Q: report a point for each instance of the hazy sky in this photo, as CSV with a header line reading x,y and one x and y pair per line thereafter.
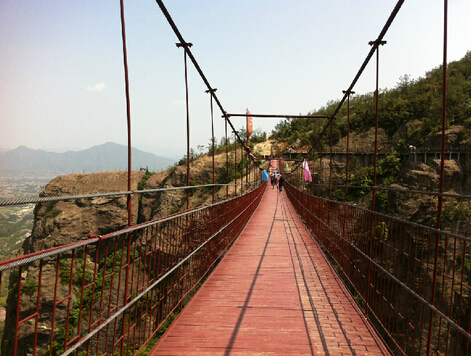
x,y
62,76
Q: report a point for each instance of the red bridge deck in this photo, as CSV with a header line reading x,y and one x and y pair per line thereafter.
x,y
272,294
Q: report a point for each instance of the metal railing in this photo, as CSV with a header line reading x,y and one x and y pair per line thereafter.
x,y
12,202
394,270
112,293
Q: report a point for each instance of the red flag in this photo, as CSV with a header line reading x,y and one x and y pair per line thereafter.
x,y
249,124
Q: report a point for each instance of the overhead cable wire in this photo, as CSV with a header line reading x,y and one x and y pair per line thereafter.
x,y
195,63
359,73
12,202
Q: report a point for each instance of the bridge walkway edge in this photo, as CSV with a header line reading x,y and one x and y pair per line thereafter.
x,y
274,293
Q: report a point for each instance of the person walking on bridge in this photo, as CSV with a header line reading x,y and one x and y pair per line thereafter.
x,y
273,180
281,181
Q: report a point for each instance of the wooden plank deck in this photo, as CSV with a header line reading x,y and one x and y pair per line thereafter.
x,y
272,294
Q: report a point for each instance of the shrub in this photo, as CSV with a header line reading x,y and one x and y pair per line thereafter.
x,y
52,211
142,183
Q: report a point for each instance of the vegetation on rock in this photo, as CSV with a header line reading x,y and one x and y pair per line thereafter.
x,y
412,100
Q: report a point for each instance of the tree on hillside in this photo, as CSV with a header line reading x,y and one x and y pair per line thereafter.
x,y
411,100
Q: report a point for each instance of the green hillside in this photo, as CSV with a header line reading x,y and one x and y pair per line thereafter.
x,y
411,100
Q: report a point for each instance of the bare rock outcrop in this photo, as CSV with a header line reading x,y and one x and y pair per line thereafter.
x,y
419,176
163,203
59,223
56,224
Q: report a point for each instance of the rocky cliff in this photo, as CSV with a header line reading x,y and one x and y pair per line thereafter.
x,y
63,222
419,171
164,203
60,223
422,209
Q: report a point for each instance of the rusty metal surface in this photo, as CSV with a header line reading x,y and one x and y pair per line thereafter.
x,y
396,268
274,294
109,295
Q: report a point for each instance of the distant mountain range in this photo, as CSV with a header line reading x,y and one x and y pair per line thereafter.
x,y
107,157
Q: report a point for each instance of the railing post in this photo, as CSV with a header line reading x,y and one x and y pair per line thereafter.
x,y
128,110
442,174
227,157
330,164
376,44
129,197
211,91
347,160
320,171
185,47
348,141
235,164
242,168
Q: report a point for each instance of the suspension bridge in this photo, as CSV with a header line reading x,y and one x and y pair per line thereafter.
x,y
273,293
264,271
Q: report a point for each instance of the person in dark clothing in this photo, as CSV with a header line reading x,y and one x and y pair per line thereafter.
x,y
281,181
273,180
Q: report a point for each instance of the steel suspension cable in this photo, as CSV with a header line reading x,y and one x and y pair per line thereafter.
x,y
227,158
128,108
186,47
212,137
195,63
442,169
129,197
360,71
235,166
376,44
384,270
